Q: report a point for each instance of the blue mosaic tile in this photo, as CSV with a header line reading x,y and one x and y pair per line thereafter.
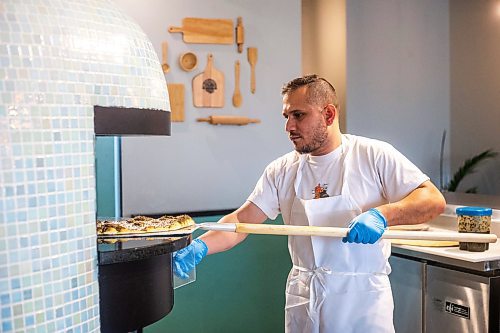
x,y
43,166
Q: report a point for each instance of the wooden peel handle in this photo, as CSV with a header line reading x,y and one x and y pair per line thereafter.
x,y
291,230
228,120
295,230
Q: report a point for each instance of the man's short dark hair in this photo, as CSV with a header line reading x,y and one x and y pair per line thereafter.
x,y
319,90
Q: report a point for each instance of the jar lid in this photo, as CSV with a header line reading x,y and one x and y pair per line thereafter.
x,y
474,211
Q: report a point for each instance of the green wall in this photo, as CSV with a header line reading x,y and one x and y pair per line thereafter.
x,y
241,290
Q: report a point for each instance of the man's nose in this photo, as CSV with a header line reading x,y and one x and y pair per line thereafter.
x,y
289,124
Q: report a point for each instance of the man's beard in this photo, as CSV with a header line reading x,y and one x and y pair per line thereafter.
x,y
319,136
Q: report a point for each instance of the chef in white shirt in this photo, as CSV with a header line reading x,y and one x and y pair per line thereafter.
x,y
336,180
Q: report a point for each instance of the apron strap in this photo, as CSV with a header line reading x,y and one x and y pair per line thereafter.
x,y
315,279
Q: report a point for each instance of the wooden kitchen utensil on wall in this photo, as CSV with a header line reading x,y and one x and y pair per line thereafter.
x,y
228,120
237,98
176,96
252,60
188,61
208,87
209,31
164,66
240,34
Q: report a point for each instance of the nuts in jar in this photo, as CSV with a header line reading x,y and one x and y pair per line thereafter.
x,y
477,220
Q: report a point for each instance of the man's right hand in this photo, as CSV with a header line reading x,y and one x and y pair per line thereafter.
x,y
187,258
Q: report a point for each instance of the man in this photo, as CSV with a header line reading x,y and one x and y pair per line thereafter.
x,y
339,180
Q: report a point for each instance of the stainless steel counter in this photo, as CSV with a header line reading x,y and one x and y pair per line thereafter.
x,y
479,261
445,289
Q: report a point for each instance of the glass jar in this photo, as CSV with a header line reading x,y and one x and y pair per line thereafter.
x,y
477,220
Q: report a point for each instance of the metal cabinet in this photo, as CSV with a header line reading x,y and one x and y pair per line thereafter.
x,y
434,298
407,285
460,302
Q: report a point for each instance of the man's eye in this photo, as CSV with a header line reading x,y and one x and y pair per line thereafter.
x,y
298,115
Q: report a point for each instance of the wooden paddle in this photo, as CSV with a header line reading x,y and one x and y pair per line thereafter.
x,y
208,87
200,30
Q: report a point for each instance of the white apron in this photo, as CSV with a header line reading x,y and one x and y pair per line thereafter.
x,y
334,286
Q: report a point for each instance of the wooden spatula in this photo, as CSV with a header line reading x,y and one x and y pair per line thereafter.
x,y
252,59
237,99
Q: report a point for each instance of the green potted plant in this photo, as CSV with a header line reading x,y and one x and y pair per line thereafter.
x,y
465,169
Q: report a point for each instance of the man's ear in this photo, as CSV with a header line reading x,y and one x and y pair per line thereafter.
x,y
330,114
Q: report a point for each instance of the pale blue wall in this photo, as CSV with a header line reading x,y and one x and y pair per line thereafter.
x,y
201,166
398,75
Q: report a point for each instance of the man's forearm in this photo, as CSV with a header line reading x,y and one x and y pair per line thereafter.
x,y
218,241
423,204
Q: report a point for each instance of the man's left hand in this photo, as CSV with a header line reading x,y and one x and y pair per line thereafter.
x,y
366,228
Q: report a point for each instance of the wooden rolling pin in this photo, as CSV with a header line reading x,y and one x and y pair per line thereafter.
x,y
297,230
228,120
240,34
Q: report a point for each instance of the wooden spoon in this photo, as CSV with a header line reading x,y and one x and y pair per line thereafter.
x,y
237,99
164,66
252,59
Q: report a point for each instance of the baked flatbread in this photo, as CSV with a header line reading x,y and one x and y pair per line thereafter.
x,y
143,224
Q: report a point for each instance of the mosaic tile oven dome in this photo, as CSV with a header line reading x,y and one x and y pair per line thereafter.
x,y
58,59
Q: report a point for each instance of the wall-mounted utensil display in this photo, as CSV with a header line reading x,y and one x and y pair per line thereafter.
x,y
252,59
228,120
206,31
188,61
240,34
208,86
176,95
237,98
164,66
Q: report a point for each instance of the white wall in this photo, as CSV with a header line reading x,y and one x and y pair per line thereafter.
x,y
398,75
475,92
324,44
205,167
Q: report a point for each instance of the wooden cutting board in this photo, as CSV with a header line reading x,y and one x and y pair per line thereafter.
x,y
210,31
176,96
208,87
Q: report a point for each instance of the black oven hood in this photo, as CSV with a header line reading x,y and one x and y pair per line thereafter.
x,y
121,121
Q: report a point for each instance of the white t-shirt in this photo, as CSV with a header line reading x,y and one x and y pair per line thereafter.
x,y
378,174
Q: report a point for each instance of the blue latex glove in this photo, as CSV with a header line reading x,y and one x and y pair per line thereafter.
x,y
187,258
366,228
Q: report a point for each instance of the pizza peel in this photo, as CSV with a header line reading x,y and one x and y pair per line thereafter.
x,y
299,230
208,86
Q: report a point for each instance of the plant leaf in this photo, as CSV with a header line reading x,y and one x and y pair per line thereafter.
x,y
472,190
468,168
